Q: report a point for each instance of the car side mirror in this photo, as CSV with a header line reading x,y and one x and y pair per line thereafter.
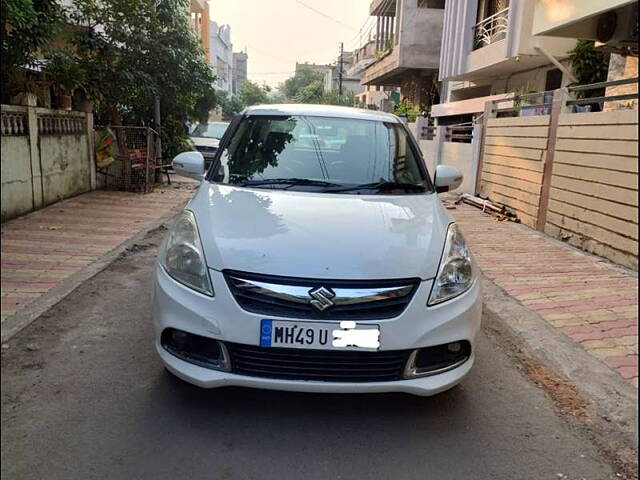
x,y
447,178
189,164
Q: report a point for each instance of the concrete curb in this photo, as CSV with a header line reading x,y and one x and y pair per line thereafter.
x,y
613,401
24,317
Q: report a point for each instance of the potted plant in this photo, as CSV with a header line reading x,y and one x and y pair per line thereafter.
x,y
65,74
26,88
589,65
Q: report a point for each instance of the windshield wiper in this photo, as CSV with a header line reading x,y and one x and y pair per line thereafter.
x,y
380,186
287,181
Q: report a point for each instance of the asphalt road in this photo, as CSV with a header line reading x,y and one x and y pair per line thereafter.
x,y
84,397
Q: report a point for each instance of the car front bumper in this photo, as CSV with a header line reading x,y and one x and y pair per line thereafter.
x,y
176,306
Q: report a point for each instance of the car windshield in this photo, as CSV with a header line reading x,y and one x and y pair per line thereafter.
x,y
210,130
321,154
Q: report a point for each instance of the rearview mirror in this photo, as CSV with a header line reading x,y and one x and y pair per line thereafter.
x,y
189,164
447,178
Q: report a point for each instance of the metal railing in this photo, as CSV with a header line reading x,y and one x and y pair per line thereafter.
x,y
135,168
428,132
527,104
540,103
601,100
460,132
491,29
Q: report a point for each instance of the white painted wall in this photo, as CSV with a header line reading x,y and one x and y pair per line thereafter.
x,y
40,169
464,156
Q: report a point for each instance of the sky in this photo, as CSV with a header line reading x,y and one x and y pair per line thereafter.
x,y
277,33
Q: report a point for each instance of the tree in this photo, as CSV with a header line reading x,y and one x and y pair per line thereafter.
x,y
136,50
27,26
346,99
252,94
311,93
230,104
303,77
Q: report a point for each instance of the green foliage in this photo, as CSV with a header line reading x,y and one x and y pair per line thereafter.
x,y
311,93
132,52
249,94
252,94
390,42
405,108
27,26
303,77
65,72
589,65
230,105
347,99
307,86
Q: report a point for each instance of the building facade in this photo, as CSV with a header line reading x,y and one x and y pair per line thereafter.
x,y
239,72
221,56
489,50
407,48
351,76
199,17
495,48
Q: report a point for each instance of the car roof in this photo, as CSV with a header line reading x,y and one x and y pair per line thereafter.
x,y
320,111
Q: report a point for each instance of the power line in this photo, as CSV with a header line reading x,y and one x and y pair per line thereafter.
x,y
359,37
325,15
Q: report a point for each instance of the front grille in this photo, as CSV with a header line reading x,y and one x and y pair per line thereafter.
x,y
319,365
294,298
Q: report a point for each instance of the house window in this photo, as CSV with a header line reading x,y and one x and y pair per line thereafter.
x,y
431,4
553,79
493,22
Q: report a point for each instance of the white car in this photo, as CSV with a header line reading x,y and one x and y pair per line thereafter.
x,y
317,267
206,138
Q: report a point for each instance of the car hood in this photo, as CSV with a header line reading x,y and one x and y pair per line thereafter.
x,y
315,235
205,141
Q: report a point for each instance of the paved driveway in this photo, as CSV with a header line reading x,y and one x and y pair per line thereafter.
x,y
84,396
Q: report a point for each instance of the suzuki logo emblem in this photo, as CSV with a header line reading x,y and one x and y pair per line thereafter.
x,y
321,298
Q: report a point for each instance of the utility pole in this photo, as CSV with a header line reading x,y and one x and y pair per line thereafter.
x,y
340,68
156,121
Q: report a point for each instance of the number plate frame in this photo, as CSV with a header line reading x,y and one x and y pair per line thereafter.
x,y
318,335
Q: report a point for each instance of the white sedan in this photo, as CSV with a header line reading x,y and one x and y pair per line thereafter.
x,y
321,266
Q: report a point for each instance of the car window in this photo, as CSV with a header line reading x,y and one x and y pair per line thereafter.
x,y
339,151
210,130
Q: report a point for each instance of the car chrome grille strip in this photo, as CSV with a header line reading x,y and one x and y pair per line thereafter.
x,y
328,299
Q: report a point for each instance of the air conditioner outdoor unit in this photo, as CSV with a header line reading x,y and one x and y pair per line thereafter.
x,y
617,30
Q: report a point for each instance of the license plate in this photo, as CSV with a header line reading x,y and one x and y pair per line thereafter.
x,y
345,335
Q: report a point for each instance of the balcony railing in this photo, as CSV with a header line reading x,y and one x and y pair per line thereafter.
x,y
491,29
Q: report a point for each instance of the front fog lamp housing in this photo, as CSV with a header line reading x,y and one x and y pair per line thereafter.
x,y
183,257
456,271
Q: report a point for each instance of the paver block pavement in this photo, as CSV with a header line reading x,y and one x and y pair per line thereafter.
x,y
592,301
44,248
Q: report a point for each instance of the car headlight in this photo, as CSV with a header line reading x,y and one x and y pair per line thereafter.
x,y
182,256
457,270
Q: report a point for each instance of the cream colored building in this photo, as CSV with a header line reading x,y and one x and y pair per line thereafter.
x,y
496,47
614,22
488,49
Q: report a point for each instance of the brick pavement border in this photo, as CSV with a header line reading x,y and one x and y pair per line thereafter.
x,y
612,422
31,312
